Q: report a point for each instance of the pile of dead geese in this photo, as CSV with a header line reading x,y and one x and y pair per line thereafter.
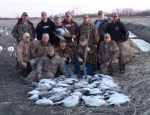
x,y
92,91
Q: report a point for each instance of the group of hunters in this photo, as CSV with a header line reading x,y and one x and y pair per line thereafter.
x,y
88,47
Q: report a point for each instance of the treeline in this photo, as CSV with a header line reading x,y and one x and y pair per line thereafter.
x,y
131,12
121,12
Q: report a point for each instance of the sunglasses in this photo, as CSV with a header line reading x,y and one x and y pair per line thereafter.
x,y
25,15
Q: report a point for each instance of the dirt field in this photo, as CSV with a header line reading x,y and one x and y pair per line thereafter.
x,y
13,101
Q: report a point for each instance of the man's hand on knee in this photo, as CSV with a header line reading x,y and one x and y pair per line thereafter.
x,y
39,77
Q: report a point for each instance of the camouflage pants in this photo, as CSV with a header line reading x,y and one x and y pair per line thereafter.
x,y
113,69
122,59
33,76
22,70
33,64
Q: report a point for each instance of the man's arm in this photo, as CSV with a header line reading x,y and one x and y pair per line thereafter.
x,y
61,67
14,32
39,66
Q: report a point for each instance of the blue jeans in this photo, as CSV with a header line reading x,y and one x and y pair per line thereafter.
x,y
77,64
69,70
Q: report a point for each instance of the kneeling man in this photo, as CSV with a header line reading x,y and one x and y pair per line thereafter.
x,y
47,67
108,54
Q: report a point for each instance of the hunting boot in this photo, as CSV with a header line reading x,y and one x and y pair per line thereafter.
x,y
122,69
24,80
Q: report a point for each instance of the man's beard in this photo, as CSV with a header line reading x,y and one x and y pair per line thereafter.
x,y
83,44
101,18
45,20
62,47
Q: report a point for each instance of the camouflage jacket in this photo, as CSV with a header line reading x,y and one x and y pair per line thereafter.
x,y
23,51
93,33
79,52
51,64
38,49
102,28
109,52
66,53
21,28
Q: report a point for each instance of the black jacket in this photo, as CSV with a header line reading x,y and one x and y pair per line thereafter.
x,y
117,31
46,27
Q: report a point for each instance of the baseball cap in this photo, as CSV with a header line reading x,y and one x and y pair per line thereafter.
x,y
100,12
115,14
56,16
67,14
24,13
26,35
85,16
63,39
43,13
106,35
50,48
82,37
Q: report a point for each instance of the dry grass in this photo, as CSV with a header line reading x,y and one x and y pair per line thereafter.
x,y
135,82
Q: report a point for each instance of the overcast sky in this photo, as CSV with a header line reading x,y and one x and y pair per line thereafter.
x,y
12,8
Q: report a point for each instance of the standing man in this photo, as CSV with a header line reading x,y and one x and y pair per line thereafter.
x,y
88,27
23,26
58,24
101,24
38,49
79,56
66,54
108,54
119,34
72,27
45,26
23,55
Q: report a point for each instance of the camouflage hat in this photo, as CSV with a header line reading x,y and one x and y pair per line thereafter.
x,y
115,14
83,37
100,12
56,16
26,35
50,48
85,16
67,14
43,13
24,13
106,35
63,39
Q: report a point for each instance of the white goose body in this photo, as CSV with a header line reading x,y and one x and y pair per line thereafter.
x,y
94,101
44,101
70,101
118,99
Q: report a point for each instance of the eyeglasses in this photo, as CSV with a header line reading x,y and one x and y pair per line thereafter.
x,y
62,42
82,40
27,37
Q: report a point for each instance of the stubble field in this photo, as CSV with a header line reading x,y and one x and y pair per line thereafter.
x,y
135,82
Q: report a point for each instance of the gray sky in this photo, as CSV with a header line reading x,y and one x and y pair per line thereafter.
x,y
12,8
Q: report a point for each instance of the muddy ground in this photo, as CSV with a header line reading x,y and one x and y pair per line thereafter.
x,y
135,82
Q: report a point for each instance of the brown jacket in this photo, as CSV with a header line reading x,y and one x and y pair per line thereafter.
x,y
72,27
66,53
23,51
